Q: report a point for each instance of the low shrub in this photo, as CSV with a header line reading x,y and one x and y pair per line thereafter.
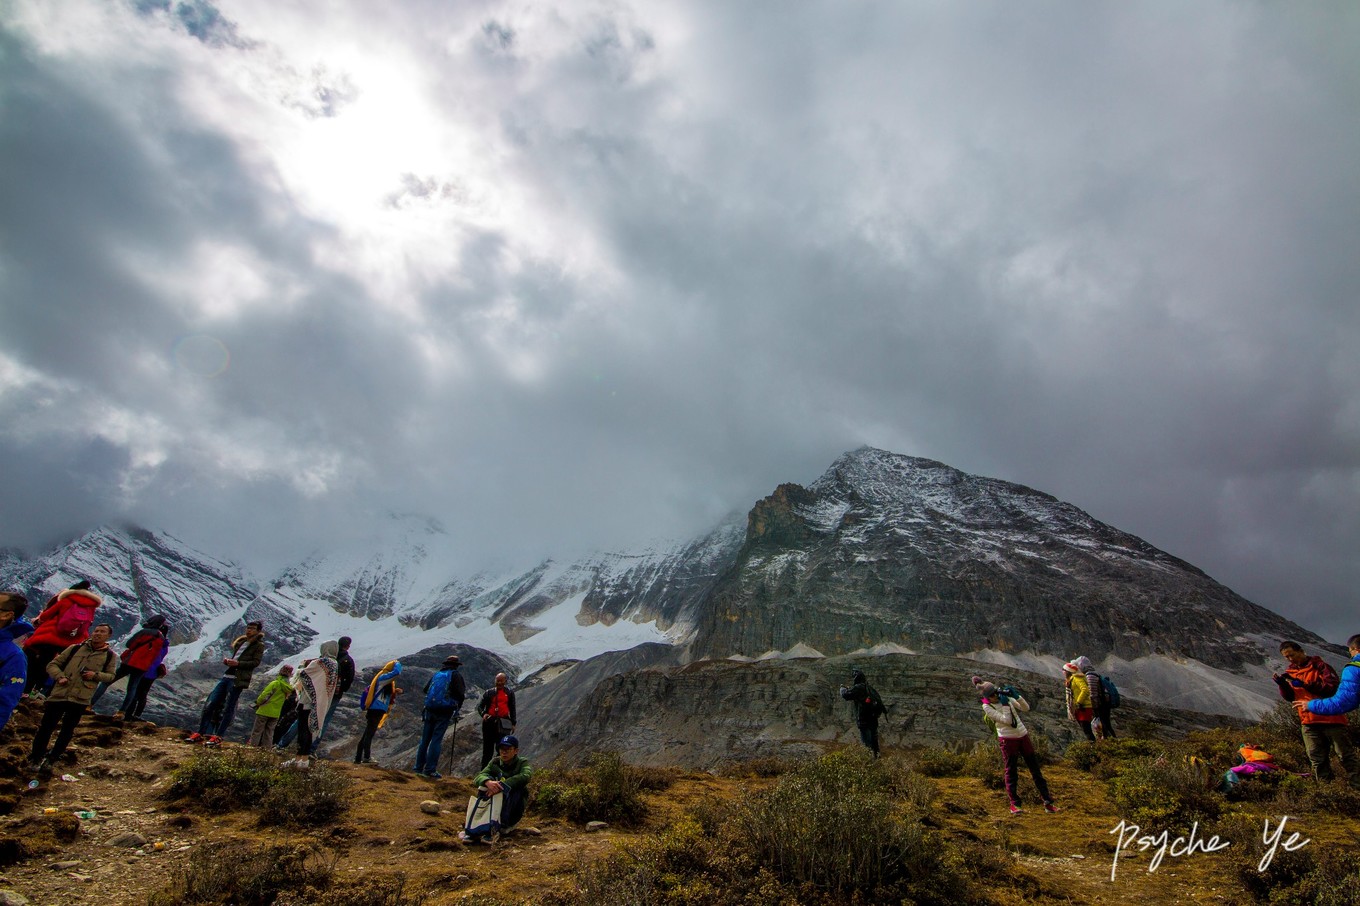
x,y
245,875
939,763
1166,793
984,763
249,778
606,789
376,891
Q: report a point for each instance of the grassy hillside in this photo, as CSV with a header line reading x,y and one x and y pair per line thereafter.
x,y
176,825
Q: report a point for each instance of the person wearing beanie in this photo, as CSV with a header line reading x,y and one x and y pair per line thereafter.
x,y
1001,707
867,706
1078,695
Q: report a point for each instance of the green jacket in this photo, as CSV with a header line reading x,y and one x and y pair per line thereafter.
x,y
74,661
270,701
515,775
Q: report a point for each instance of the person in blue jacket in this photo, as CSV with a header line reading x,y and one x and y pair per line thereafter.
x,y
378,701
1347,695
13,661
444,696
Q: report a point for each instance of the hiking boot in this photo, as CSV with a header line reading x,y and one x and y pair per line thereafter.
x,y
433,775
194,737
213,741
1015,809
1051,808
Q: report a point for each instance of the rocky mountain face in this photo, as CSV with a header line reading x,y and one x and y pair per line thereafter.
x,y
889,549
708,712
882,558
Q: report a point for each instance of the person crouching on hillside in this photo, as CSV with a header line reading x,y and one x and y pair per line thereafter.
x,y
1002,707
507,776
77,671
378,700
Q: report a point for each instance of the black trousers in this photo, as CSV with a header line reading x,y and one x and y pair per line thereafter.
x,y
374,717
67,714
304,733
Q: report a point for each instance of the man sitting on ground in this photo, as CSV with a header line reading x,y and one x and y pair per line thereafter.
x,y
507,776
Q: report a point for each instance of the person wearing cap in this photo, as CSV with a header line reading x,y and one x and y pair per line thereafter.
x,y
219,709
13,662
444,695
1001,706
507,775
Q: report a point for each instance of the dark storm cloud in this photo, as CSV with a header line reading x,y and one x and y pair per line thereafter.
x,y
1107,252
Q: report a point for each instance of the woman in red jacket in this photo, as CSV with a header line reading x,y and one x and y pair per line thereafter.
x,y
65,621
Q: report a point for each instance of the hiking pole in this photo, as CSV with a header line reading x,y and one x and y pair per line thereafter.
x,y
453,742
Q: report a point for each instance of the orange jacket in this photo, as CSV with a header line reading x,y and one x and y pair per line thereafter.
x,y
1306,682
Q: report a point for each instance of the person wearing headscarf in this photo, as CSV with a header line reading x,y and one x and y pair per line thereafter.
x,y
378,700
315,685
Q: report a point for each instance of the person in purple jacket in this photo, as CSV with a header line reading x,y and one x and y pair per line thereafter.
x,y
13,662
1347,695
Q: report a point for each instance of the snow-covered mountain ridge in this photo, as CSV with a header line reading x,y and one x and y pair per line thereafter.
x,y
883,555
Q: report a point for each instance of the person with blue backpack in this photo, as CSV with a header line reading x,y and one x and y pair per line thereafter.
x,y
444,695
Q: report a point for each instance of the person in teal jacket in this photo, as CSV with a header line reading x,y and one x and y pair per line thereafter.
x,y
1347,695
269,705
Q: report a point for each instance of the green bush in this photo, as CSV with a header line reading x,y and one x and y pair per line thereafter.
x,y
606,789
939,763
833,823
244,875
830,831
1165,793
984,763
248,778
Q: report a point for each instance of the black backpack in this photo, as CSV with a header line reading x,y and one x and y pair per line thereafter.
x,y
874,702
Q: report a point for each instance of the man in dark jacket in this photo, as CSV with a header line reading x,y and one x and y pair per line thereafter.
x,y
866,704
444,695
219,709
497,708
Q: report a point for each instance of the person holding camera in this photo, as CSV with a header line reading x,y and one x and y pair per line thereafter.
x,y
1001,706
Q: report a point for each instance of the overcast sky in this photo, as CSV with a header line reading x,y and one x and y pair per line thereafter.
x,y
577,273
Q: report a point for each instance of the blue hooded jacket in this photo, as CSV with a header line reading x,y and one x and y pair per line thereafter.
x,y
13,668
1347,694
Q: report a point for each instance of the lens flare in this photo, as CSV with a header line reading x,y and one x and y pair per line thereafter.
x,y
202,355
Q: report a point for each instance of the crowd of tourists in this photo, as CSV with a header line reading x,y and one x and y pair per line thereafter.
x,y
63,659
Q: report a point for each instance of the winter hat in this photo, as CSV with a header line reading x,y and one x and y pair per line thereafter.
x,y
987,689
1084,664
286,670
858,677
1071,668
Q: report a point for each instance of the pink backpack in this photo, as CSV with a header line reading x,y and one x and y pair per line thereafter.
x,y
75,621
